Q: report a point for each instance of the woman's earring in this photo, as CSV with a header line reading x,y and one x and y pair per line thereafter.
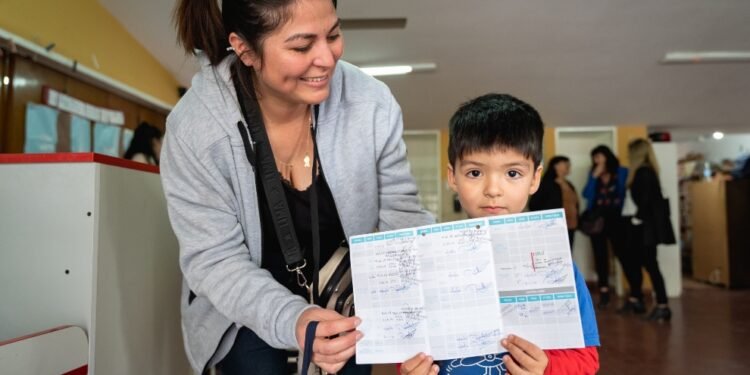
x,y
230,48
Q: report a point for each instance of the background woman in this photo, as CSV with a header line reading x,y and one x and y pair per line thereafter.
x,y
646,231
241,307
555,191
605,194
146,144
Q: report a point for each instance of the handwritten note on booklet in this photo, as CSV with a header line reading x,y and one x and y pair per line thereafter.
x,y
454,290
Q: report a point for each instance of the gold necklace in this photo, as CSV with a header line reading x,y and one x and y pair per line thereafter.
x,y
288,166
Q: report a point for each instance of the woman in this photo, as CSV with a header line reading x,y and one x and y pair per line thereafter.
x,y
557,192
146,145
241,307
605,194
646,231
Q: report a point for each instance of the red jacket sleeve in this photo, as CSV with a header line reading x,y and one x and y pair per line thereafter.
x,y
572,361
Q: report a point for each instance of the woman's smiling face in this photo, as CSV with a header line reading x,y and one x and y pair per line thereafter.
x,y
299,58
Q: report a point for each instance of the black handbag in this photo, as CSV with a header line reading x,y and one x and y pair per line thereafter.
x,y
331,286
662,218
591,221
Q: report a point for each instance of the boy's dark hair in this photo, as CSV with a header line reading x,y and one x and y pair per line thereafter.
x,y
496,121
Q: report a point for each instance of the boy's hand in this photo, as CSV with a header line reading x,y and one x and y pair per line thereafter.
x,y
420,364
525,358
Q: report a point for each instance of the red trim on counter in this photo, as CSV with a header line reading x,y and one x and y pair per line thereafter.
x,y
83,370
35,334
76,157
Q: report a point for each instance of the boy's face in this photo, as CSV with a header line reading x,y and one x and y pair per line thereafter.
x,y
491,183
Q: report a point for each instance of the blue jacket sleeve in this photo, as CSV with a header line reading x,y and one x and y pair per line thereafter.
x,y
586,306
589,192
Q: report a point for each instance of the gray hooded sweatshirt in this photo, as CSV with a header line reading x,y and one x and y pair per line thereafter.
x,y
213,207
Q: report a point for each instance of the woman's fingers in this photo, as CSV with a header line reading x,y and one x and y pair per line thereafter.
x,y
330,323
335,337
326,346
329,328
333,363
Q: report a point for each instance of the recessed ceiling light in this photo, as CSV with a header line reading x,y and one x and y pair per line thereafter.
x,y
389,70
700,57
718,135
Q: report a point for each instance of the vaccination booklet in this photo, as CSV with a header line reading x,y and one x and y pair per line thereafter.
x,y
454,290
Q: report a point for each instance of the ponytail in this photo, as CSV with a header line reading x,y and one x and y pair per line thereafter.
x,y
200,27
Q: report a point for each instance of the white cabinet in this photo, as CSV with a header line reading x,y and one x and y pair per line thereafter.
x,y
86,242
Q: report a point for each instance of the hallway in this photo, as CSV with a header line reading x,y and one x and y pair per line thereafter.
x,y
709,334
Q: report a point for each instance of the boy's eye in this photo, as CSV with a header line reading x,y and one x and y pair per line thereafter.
x,y
474,173
514,174
333,37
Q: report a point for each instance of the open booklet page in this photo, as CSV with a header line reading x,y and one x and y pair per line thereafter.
x,y
454,290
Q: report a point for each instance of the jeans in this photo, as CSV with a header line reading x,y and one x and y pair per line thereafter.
x,y
250,355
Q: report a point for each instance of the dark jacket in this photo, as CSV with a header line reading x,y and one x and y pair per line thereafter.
x,y
653,209
549,196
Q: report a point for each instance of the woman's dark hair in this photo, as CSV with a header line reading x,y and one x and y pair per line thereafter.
x,y
202,25
612,164
495,121
550,175
142,142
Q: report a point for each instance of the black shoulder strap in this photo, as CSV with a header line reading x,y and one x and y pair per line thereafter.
x,y
262,159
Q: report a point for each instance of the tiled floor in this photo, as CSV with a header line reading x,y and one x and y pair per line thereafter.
x,y
709,334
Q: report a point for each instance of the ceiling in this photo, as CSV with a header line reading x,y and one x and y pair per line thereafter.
x,y
579,62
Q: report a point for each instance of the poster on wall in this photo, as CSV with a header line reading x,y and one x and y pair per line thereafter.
x,y
80,134
67,103
41,129
127,137
107,139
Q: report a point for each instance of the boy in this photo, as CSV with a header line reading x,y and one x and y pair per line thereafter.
x,y
495,153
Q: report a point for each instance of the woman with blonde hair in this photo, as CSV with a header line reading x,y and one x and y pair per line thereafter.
x,y
646,231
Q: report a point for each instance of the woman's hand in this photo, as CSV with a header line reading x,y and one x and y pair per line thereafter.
x,y
525,358
420,364
598,170
335,337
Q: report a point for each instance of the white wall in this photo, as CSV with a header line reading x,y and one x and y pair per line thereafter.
x,y
669,255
